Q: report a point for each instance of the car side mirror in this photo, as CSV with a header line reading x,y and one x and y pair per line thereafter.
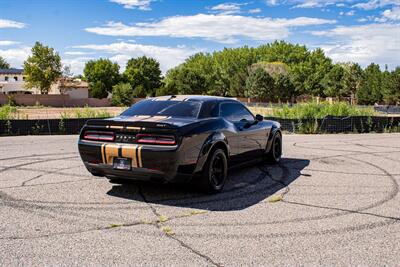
x,y
259,117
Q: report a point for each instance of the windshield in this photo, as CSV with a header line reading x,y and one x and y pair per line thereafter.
x,y
164,108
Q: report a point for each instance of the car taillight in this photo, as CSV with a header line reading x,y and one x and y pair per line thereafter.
x,y
155,139
99,136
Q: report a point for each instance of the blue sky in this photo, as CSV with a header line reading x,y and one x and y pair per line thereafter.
x,y
171,30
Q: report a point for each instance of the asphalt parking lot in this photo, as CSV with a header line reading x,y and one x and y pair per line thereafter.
x,y
333,200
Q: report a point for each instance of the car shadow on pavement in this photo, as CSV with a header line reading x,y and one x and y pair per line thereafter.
x,y
245,188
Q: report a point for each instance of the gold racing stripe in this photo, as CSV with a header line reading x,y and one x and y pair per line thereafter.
x,y
103,153
130,152
140,157
111,152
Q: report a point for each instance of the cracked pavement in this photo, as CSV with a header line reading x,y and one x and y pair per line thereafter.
x,y
333,200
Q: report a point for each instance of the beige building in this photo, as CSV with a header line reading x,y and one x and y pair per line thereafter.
x,y
12,81
75,88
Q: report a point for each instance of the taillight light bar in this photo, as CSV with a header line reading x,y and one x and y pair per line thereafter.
x,y
153,139
99,136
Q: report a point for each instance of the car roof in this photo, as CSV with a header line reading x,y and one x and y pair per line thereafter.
x,y
203,98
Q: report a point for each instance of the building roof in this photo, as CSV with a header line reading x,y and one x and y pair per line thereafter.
x,y
74,84
11,71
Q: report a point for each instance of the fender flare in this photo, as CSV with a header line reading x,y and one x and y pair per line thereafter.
x,y
211,141
274,130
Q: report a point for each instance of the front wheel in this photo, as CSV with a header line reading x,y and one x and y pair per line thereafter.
x,y
275,152
215,172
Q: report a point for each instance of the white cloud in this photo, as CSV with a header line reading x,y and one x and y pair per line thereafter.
x,y
374,4
7,43
77,64
349,13
393,14
132,4
227,8
5,23
77,53
315,3
16,56
272,2
377,43
220,28
120,52
255,10
368,5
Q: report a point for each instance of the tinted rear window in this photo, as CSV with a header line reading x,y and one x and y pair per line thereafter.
x,y
164,108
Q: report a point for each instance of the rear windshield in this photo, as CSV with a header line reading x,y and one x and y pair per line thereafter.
x,y
164,108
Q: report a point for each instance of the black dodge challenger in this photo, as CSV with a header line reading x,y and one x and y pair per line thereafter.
x,y
177,139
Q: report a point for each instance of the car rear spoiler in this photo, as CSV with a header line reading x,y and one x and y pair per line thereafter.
x,y
115,124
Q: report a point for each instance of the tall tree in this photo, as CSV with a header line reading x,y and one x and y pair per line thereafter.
x,y
282,51
370,86
144,75
260,85
3,63
284,88
316,67
351,78
184,80
333,81
42,68
391,87
102,75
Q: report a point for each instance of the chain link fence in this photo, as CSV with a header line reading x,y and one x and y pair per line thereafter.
x,y
326,125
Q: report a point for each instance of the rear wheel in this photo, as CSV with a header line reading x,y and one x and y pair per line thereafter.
x,y
215,172
275,153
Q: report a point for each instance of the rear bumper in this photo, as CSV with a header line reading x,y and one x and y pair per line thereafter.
x,y
140,174
155,163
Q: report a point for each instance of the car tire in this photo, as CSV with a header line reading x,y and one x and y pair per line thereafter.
x,y
275,152
215,172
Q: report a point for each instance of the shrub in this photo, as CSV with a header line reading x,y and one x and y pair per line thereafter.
x,y
313,110
87,112
122,94
8,112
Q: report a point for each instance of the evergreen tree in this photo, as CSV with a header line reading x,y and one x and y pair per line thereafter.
x,y
370,92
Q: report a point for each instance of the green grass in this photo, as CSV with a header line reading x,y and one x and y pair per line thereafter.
x,y
313,110
86,112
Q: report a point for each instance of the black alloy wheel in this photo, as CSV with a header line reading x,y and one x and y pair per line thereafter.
x,y
215,172
275,153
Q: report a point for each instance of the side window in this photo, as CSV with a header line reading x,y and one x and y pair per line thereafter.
x,y
209,110
235,112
